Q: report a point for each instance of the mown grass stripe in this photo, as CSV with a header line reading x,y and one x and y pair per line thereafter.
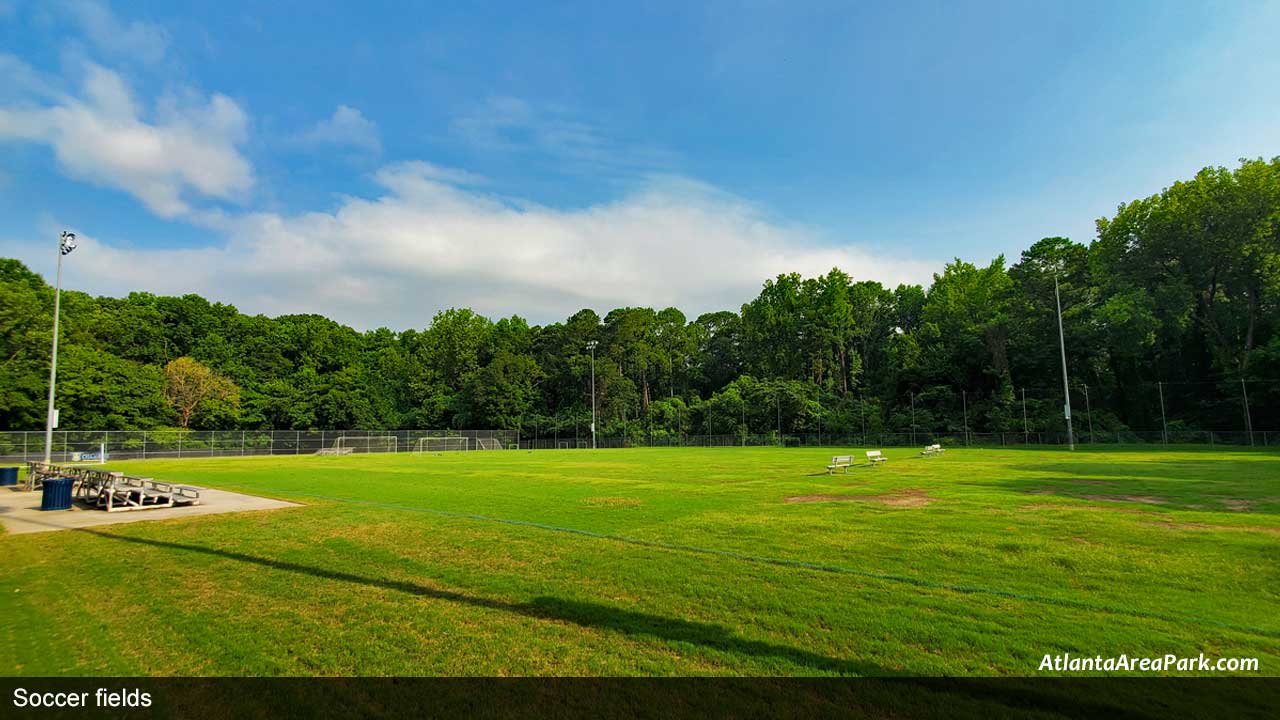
x,y
819,567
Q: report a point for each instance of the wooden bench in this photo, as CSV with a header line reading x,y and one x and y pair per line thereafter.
x,y
840,461
875,457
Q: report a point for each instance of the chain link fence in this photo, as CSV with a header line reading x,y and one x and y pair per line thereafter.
x,y
88,445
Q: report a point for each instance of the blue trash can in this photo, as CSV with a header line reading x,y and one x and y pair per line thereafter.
x,y
57,494
8,476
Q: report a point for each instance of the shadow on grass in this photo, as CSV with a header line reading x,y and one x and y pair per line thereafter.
x,y
1202,486
581,613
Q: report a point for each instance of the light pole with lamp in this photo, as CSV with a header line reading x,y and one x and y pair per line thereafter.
x,y
66,243
591,345
1062,345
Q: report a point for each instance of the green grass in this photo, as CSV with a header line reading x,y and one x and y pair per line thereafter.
x,y
681,561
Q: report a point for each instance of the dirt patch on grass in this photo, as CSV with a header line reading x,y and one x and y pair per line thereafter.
x,y
611,502
1143,499
1240,504
1107,508
910,498
1206,526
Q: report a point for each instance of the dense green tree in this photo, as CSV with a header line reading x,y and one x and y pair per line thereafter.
x,y
1182,287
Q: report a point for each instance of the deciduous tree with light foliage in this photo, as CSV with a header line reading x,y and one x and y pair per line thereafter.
x,y
191,388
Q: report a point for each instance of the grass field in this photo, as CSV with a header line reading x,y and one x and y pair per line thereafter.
x,y
684,561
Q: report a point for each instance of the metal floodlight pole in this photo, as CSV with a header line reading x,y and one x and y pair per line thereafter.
x,y
1164,423
819,417
862,415
964,403
66,243
1088,410
913,417
1062,344
592,347
1248,419
1026,431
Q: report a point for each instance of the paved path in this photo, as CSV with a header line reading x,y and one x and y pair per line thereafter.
x,y
20,511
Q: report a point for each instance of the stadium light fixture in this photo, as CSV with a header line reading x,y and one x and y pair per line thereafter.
x,y
66,243
591,345
1062,345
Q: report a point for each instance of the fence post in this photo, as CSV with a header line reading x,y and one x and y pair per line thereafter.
x,y
297,440
144,444
180,433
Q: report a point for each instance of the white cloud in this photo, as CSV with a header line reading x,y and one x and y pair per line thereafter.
x,y
188,147
135,40
347,127
429,242
512,125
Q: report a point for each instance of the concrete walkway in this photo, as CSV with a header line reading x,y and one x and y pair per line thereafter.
x,y
20,511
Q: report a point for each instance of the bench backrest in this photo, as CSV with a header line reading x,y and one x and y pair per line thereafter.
x,y
873,453
842,459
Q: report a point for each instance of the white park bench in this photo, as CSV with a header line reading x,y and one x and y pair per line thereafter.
x,y
875,457
932,450
840,461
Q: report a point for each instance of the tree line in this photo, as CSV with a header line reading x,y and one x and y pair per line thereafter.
x,y
1180,287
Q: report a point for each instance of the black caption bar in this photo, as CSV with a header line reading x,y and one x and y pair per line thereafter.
x,y
977,698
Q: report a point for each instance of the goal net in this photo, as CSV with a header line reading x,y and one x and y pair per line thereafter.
x,y
442,444
346,445
488,444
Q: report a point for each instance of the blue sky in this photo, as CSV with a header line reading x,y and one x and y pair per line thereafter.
x,y
377,163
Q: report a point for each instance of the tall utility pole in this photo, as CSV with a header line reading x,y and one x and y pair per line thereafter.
x,y
1088,410
913,417
1026,431
1062,344
964,400
66,243
1248,419
591,345
1164,423
819,417
862,415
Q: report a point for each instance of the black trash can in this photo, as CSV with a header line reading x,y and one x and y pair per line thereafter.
x,y
57,494
8,476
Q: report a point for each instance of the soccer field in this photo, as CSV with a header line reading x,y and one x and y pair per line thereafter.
x,y
683,561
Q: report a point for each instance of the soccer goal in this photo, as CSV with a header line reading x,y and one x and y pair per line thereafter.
x,y
346,445
442,444
488,444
